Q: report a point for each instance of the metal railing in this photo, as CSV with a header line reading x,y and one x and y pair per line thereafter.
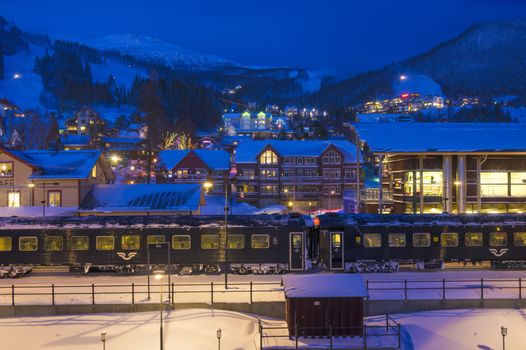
x,y
368,334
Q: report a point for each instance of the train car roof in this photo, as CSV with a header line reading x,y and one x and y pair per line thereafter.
x,y
179,221
341,220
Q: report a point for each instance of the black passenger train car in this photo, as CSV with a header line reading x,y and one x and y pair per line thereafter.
x,y
260,244
359,242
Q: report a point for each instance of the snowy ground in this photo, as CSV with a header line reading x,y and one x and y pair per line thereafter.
x,y
35,289
36,211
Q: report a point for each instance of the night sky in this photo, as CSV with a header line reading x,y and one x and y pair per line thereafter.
x,y
345,37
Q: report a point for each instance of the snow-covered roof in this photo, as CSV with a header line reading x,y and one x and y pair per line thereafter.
x,y
143,197
324,286
247,151
214,159
74,140
59,164
443,137
124,139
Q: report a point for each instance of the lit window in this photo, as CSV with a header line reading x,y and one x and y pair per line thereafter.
x,y
54,198
494,184
209,241
473,239
432,181
236,241
397,240
449,239
94,172
79,243
181,242
6,169
421,240
131,242
268,157
105,242
519,239
498,239
260,241
518,184
372,240
154,239
6,244
13,199
269,174
53,243
336,240
27,244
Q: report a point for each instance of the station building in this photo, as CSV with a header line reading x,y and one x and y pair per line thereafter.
x,y
445,167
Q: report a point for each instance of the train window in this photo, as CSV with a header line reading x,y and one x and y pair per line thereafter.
x,y
154,239
209,241
519,239
105,242
181,242
397,240
79,243
498,239
6,244
53,243
27,244
236,241
131,242
473,239
449,239
421,240
336,238
372,240
260,241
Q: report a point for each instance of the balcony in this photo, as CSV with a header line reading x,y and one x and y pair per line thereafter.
x,y
372,195
298,179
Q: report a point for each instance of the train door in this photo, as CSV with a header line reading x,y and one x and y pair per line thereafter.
x,y
337,261
297,251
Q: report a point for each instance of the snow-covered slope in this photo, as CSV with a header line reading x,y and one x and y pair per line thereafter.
x,y
155,50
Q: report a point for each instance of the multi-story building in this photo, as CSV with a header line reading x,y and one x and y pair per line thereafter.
x,y
445,167
304,175
195,166
87,122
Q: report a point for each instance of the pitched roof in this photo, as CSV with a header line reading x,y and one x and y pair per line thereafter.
x,y
142,197
324,285
247,151
214,159
73,140
443,137
59,164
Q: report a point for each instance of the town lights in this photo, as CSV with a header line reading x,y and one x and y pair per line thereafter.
x,y
403,77
457,183
290,204
207,185
17,76
115,159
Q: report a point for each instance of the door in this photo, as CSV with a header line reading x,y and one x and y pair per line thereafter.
x,y
337,262
297,251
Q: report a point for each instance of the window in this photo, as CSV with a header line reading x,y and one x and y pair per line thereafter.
x,y
260,241
449,239
79,243
331,173
13,199
180,242
421,240
519,239
249,174
105,242
473,239
518,184
53,244
310,173
269,189
299,161
6,244
432,181
372,240
236,241
209,241
331,157
268,174
494,184
397,240
289,160
54,198
268,157
27,244
349,173
297,241
6,169
248,189
154,239
94,172
310,161
336,240
498,239
131,242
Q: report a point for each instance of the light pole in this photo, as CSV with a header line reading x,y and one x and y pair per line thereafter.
x,y
159,276
331,192
226,234
504,332
103,340
219,333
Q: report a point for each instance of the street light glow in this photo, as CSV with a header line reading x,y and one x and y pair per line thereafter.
x,y
403,77
17,76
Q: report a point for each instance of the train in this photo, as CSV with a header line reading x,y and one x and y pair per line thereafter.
x,y
262,244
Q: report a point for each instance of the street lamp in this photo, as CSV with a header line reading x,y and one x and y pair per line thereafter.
x,y
103,340
207,185
159,276
331,192
219,333
504,332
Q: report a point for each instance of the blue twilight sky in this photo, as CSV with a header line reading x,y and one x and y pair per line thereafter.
x,y
340,36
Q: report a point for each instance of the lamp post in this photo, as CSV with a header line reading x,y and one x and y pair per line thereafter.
x,y
219,333
159,276
504,332
103,340
331,192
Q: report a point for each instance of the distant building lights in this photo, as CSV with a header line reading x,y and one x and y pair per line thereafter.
x,y
17,76
403,77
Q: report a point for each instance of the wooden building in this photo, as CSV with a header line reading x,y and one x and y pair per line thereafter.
x,y
324,305
445,167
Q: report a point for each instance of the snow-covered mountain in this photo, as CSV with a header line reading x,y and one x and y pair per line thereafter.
x,y
150,49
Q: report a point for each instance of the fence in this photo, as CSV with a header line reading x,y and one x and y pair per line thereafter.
x,y
372,335
135,293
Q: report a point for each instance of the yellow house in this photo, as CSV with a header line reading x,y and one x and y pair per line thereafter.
x,y
50,178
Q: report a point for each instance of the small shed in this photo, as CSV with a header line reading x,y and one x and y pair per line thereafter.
x,y
324,304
